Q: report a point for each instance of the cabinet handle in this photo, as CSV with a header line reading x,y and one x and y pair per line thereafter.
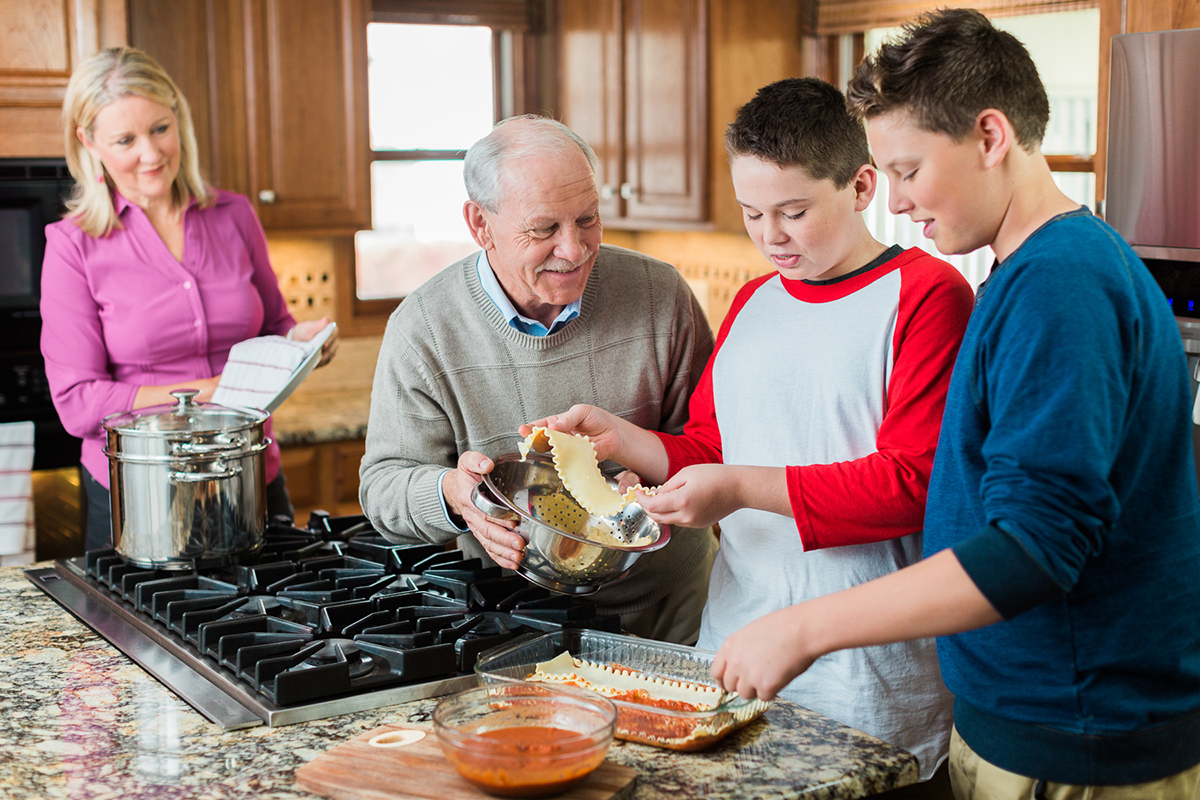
x,y
266,197
606,192
627,191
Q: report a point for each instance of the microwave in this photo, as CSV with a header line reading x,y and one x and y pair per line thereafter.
x,y
32,195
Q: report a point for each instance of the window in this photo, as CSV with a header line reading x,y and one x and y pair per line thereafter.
x,y
1065,47
430,96
439,76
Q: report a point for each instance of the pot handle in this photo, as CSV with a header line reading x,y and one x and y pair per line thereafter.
x,y
230,471
488,503
194,448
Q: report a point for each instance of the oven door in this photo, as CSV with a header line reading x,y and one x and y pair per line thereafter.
x,y
1189,329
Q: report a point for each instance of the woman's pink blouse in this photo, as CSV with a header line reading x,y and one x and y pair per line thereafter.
x,y
120,312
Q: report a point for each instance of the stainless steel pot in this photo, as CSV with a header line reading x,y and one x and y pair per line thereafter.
x,y
560,555
188,482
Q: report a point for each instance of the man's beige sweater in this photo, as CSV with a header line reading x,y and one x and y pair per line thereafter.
x,y
454,376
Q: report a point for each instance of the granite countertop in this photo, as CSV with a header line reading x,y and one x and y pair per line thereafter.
x,y
334,402
78,719
328,415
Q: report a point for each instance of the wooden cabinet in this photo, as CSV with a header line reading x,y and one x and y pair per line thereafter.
x,y
323,476
278,90
633,82
41,42
307,113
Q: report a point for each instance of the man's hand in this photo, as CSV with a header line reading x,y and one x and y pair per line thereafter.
x,y
759,660
505,546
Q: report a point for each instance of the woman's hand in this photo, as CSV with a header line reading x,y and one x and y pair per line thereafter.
x,y
310,328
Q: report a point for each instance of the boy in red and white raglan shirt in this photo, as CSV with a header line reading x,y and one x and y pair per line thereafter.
x,y
812,432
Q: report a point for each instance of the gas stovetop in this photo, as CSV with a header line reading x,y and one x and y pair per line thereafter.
x,y
325,620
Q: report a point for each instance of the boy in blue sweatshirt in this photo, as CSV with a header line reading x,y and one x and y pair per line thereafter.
x,y
1062,529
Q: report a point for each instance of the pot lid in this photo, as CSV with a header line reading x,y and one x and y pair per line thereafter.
x,y
184,416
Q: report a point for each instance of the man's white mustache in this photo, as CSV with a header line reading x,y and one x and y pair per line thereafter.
x,y
560,265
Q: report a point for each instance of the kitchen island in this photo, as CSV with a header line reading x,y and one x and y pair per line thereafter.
x,y
80,720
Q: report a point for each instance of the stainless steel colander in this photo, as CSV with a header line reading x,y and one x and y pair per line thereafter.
x,y
567,549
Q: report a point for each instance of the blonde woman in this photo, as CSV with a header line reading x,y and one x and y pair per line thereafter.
x,y
153,276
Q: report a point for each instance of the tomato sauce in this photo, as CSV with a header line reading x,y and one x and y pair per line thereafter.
x,y
528,761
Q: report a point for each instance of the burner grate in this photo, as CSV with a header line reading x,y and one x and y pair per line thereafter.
x,y
321,617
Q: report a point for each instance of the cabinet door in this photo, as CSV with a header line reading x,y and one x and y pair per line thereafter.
x,y
632,82
591,91
192,40
41,42
306,113
665,111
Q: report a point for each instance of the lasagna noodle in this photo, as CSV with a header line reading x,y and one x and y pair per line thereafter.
x,y
677,715
578,468
611,680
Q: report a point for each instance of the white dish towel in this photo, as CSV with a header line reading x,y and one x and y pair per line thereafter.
x,y
17,533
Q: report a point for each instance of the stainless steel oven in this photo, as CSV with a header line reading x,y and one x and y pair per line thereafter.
x,y
1153,185
31,196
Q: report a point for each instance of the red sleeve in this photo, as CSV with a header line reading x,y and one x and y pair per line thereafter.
x,y
700,442
882,496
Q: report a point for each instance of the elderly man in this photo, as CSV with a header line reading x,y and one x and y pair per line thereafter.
x,y
544,317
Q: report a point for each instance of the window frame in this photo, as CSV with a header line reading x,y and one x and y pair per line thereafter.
x,y
518,44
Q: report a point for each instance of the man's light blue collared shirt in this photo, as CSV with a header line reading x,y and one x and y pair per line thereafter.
x,y
491,286
487,279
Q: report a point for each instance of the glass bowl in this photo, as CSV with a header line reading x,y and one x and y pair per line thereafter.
x,y
524,740
636,722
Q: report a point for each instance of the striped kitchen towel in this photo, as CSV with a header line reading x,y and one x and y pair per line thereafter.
x,y
17,534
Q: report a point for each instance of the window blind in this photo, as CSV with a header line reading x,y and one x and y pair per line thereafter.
x,y
853,16
512,15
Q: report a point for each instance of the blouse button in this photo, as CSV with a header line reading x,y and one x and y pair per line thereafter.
x,y
187,284
196,323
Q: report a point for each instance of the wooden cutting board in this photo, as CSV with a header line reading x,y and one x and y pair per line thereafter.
x,y
356,770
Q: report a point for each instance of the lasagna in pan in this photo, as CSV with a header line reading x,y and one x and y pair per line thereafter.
x,y
653,710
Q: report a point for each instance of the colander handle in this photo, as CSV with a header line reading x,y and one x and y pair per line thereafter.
x,y
489,504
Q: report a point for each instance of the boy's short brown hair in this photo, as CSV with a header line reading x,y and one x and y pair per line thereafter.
x,y
945,68
801,122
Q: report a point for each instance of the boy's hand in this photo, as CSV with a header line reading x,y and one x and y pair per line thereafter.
x,y
695,497
584,420
759,660
699,495
505,546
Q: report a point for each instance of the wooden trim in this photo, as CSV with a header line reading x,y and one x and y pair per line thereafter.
x,y
853,16
858,50
819,57
114,23
1071,163
1112,22
356,317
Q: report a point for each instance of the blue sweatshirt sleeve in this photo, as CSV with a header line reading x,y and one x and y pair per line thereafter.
x,y
1011,578
1053,380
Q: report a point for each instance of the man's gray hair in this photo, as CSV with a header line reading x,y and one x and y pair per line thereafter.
x,y
483,166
